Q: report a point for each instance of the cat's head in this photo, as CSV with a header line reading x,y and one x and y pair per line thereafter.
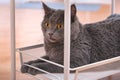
x,y
53,24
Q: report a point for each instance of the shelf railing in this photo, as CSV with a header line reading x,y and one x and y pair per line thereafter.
x,y
23,52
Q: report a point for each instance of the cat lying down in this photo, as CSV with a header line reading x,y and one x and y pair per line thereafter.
x,y
89,43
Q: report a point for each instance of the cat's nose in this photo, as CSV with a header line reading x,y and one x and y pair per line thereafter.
x,y
50,34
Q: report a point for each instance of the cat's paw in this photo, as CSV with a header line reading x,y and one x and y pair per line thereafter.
x,y
33,71
24,69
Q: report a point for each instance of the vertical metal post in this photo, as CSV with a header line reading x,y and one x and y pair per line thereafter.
x,y
112,6
21,58
67,32
12,30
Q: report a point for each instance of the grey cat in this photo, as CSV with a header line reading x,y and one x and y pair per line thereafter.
x,y
89,43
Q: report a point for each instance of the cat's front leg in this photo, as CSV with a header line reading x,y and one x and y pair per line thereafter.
x,y
24,68
45,66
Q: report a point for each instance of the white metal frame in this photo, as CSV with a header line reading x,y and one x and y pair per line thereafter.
x,y
66,46
67,31
112,6
13,46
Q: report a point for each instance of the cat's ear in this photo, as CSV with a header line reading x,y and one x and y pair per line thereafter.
x,y
73,10
47,9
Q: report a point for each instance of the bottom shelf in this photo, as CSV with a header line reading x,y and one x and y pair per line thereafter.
x,y
93,71
92,74
82,76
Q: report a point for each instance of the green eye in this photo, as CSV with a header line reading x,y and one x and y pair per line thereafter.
x,y
59,26
47,24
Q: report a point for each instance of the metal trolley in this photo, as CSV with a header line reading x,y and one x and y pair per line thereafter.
x,y
98,70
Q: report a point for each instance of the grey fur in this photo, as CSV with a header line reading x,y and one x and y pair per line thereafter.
x,y
89,43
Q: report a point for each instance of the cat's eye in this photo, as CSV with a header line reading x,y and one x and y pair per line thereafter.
x,y
59,26
47,24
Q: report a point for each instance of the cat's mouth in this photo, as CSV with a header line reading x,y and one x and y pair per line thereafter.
x,y
52,39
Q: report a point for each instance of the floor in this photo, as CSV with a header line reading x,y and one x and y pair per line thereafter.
x,y
28,31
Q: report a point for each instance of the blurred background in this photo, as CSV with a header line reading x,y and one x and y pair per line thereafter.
x,y
29,15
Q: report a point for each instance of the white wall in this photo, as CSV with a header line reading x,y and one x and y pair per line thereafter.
x,y
4,1
81,1
7,1
92,1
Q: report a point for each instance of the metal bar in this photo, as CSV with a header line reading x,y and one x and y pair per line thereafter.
x,y
12,30
67,29
100,63
112,6
76,75
30,47
21,59
45,60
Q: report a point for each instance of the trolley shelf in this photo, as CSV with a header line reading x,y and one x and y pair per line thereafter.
x,y
92,71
